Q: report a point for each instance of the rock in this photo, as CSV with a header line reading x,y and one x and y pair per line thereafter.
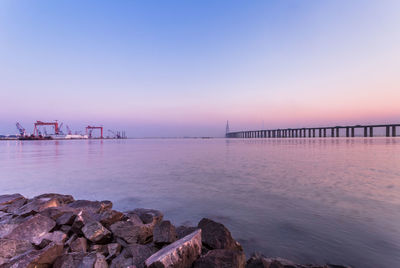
x,y
6,228
61,198
79,245
182,231
37,205
109,217
67,218
259,261
66,229
37,258
33,229
164,233
138,253
221,258
216,236
91,206
10,198
96,232
81,260
57,237
121,261
99,248
14,206
148,216
82,218
113,250
11,247
131,232
180,254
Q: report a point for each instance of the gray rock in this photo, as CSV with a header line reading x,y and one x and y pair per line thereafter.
x,y
91,206
6,228
164,233
67,218
33,229
95,260
221,258
14,206
216,236
131,232
96,232
57,237
10,247
148,216
82,218
121,261
180,254
79,245
99,248
138,253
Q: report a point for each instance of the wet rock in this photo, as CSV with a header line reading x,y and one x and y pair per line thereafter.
x,y
131,232
164,233
62,198
33,229
37,205
221,258
138,253
79,245
91,206
216,236
11,247
37,258
95,260
180,254
182,231
96,232
148,216
109,217
6,228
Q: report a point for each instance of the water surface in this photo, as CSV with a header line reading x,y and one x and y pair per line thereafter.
x,y
310,200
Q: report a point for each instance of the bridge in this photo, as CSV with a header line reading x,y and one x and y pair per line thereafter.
x,y
322,132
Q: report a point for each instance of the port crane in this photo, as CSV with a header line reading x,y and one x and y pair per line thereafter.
x,y
68,130
21,130
89,130
40,123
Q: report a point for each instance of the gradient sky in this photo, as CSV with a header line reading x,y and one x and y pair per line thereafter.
x,y
182,68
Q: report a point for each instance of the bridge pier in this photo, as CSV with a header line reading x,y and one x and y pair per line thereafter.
x,y
352,132
347,132
324,132
371,131
337,132
365,132
393,131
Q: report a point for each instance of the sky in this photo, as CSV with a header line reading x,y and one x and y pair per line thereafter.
x,y
183,68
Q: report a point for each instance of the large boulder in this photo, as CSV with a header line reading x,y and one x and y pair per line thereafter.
x,y
216,236
260,261
82,218
79,245
10,198
182,231
96,232
164,233
109,217
57,237
11,247
11,202
33,230
221,258
37,258
37,205
122,261
61,198
132,232
180,254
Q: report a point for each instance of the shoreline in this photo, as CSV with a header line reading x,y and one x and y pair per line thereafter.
x,y
55,230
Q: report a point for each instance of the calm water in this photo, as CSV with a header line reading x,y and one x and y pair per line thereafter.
x,y
316,200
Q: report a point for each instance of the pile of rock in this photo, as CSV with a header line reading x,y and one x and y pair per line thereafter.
x,y
55,230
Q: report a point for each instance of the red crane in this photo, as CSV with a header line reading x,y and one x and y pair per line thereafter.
x,y
40,123
89,131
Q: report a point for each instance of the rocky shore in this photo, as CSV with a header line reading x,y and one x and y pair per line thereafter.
x,y
55,230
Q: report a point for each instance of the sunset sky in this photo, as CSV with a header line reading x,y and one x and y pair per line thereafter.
x,y
182,68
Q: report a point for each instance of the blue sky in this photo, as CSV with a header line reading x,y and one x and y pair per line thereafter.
x,y
182,68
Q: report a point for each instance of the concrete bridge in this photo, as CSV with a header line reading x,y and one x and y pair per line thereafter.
x,y
322,132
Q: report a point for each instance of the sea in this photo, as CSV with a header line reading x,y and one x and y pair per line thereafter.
x,y
310,200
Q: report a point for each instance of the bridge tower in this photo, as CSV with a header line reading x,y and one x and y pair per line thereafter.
x,y
227,128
